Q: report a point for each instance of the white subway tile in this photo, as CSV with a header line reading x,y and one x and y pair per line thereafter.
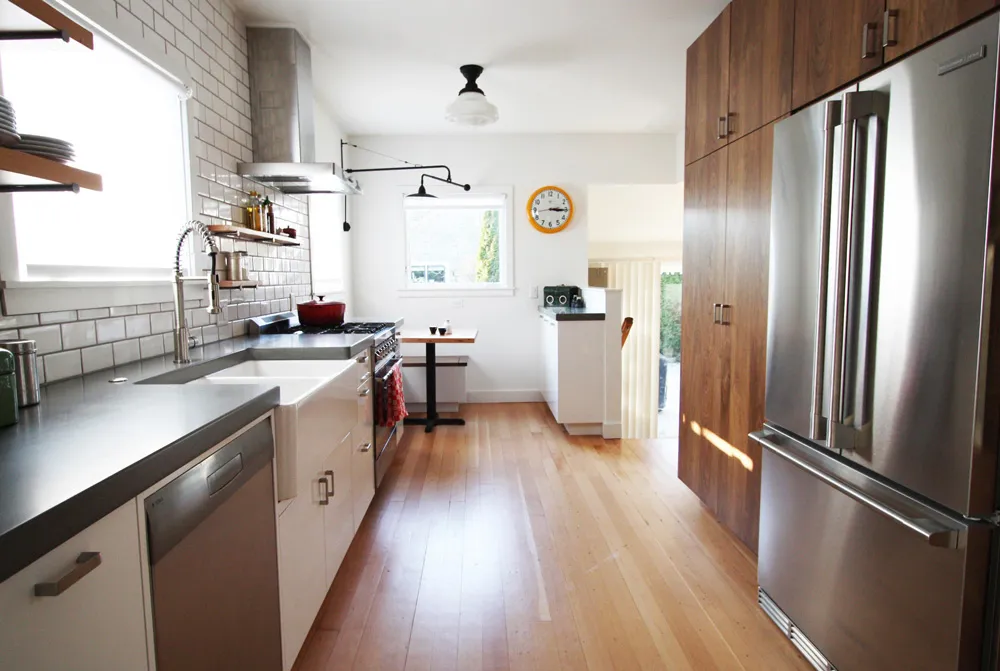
x,y
146,308
126,351
239,329
225,332
97,358
62,365
57,317
199,318
9,335
18,321
210,334
137,326
142,10
166,306
109,330
151,346
123,310
168,342
95,313
161,322
47,338
79,334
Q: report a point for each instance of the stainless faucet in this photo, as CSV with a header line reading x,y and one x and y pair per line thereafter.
x,y
182,338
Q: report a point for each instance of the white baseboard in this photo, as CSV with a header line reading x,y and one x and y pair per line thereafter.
x,y
505,396
612,430
583,429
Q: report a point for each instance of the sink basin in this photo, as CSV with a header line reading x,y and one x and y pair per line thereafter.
x,y
293,390
284,369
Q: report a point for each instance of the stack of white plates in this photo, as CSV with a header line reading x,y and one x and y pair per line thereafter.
x,y
8,124
46,147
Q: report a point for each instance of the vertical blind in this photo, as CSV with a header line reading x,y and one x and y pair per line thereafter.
x,y
640,285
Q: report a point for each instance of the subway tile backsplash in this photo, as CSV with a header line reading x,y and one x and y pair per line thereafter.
x,y
211,38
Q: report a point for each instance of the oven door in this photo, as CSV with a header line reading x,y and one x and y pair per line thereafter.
x,y
385,446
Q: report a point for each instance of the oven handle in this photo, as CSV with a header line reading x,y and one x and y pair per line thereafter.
x,y
389,369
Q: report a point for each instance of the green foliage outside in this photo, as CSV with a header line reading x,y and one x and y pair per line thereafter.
x,y
670,315
488,264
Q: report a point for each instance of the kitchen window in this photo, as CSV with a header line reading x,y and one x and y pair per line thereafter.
x,y
128,122
458,243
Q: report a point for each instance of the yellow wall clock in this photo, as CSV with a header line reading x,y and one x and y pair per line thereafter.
x,y
550,209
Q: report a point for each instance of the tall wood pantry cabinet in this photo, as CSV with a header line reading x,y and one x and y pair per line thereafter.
x,y
727,211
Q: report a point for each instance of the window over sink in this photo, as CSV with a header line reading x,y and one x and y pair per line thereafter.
x,y
127,120
459,243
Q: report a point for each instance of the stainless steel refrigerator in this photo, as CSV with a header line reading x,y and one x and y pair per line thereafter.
x,y
879,474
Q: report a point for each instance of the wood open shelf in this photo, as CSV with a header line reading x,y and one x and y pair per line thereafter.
x,y
38,15
20,169
233,284
240,233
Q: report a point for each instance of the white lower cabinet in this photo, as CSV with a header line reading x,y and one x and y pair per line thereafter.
x,y
338,516
96,623
573,370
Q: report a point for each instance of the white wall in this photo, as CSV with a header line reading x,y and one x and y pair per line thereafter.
x,y
504,362
330,244
633,221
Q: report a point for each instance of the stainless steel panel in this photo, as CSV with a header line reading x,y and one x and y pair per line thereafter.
x,y
805,199
929,319
869,592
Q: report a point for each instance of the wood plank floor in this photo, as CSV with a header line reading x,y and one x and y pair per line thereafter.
x,y
506,544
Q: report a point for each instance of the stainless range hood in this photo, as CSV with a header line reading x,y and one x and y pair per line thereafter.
x,y
281,115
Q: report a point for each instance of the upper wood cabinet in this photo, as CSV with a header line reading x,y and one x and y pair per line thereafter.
x,y
907,24
835,42
707,105
760,63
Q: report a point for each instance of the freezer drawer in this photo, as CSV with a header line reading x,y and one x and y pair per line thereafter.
x,y
875,579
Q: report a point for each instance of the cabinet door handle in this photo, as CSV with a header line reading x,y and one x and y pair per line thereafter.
x,y
364,392
85,563
324,492
890,28
716,313
363,358
730,126
867,33
725,314
365,447
722,132
333,483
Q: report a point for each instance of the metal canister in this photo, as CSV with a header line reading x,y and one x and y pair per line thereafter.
x,y
8,389
26,370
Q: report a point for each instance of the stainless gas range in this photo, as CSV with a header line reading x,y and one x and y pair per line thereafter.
x,y
383,356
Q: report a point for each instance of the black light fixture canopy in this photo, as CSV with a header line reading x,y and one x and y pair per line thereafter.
x,y
471,74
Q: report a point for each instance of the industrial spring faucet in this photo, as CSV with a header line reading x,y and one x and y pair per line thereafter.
x,y
182,337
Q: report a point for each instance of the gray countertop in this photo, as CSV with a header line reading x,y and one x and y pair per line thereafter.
x,y
572,314
91,445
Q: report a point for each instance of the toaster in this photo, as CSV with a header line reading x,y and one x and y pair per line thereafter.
x,y
560,296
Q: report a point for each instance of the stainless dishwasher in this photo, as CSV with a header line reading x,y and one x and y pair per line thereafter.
x,y
214,561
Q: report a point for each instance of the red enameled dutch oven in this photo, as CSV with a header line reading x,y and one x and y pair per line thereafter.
x,y
321,313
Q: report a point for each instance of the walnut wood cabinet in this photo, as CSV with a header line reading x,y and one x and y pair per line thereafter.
x,y
727,209
739,81
908,24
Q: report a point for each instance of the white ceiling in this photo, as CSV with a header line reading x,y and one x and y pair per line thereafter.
x,y
552,66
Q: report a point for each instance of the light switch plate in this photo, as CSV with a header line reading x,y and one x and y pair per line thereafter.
x,y
534,292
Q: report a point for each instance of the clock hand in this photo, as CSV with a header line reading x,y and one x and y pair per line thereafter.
x,y
555,209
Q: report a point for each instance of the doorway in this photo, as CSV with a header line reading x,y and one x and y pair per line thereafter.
x,y
669,384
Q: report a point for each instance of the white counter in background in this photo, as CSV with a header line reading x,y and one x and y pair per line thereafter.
x,y
582,367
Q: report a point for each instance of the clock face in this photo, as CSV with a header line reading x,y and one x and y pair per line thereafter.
x,y
550,209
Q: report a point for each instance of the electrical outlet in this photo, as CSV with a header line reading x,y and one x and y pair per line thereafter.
x,y
534,292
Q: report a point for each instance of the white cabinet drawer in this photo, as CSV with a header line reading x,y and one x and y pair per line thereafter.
x,y
96,623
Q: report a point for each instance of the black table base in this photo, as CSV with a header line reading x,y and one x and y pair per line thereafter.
x,y
432,418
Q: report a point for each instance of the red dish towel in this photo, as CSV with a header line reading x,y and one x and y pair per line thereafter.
x,y
395,404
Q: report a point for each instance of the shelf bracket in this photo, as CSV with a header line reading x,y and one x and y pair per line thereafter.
x,y
34,35
39,188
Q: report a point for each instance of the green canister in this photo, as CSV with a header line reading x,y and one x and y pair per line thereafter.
x,y
8,389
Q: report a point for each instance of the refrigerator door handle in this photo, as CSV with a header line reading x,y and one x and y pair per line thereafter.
x,y
832,120
856,106
931,531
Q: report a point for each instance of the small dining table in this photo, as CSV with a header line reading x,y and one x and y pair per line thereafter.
x,y
431,342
